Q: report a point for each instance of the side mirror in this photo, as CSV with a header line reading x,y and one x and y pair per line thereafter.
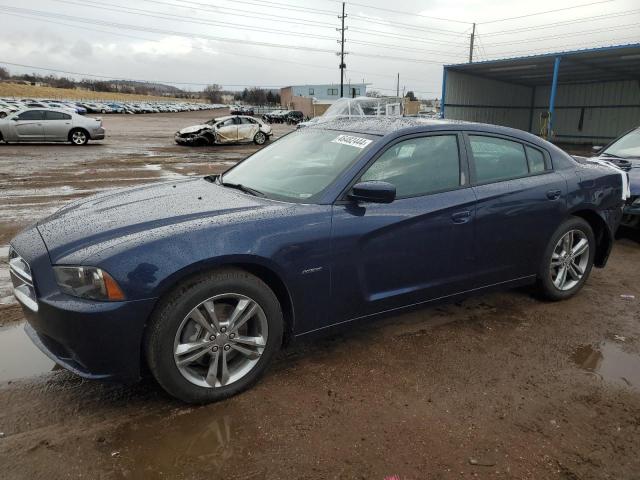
x,y
15,119
596,148
373,191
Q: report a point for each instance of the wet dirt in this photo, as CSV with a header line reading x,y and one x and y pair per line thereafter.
x,y
484,388
609,362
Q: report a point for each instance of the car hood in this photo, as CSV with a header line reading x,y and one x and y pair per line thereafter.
x,y
194,129
118,213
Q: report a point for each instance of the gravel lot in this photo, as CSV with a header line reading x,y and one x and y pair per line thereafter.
x,y
498,386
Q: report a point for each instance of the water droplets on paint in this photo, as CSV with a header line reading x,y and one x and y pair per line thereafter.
x,y
609,362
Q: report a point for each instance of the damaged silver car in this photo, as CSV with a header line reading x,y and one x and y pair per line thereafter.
x,y
231,129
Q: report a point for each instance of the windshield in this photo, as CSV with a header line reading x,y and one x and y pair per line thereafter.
x,y
626,147
299,166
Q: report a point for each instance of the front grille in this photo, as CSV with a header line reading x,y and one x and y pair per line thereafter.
x,y
22,280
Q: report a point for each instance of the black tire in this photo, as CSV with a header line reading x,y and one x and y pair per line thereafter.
x,y
260,138
546,286
174,307
80,134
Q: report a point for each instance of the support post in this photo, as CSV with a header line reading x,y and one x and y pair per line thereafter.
x,y
472,39
552,98
444,91
398,86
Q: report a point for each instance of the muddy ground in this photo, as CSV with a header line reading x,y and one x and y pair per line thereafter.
x,y
498,386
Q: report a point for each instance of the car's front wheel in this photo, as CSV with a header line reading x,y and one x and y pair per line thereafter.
x,y
214,336
568,260
78,137
260,138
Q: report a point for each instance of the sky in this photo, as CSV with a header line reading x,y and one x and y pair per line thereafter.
x,y
238,43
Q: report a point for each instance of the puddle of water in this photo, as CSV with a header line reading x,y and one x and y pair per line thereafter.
x,y
19,357
208,441
609,362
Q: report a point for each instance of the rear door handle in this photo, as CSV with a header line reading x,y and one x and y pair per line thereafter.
x,y
461,217
554,194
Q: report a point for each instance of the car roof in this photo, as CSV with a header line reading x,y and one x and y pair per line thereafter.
x,y
383,125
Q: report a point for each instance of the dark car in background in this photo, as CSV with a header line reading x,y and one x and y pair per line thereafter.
x,y
294,117
624,152
202,279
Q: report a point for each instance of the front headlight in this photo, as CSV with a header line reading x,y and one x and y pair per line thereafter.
x,y
636,202
88,282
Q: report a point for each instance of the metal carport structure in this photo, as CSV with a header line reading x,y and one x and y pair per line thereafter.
x,y
581,96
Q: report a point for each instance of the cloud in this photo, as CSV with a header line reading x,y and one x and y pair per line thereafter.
x,y
81,49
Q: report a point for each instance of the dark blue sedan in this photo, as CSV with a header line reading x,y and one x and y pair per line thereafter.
x,y
203,279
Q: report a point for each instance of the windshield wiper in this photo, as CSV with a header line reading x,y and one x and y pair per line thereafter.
x,y
243,188
610,155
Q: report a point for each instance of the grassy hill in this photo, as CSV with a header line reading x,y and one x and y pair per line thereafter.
x,y
30,91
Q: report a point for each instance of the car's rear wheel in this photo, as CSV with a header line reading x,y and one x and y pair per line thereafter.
x,y
568,260
78,136
214,336
260,138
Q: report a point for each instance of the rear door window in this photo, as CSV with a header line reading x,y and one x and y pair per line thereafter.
x,y
51,115
497,159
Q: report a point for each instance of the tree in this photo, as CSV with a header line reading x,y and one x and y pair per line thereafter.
x,y
213,93
410,95
4,73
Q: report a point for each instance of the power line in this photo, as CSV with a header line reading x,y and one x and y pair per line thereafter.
x,y
545,12
286,6
412,14
594,18
573,34
395,24
404,37
163,16
166,16
563,48
221,11
37,13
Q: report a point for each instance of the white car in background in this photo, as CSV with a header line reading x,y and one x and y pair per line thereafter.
x,y
230,129
50,125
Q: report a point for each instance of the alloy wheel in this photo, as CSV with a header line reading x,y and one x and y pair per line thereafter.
x,y
79,138
569,260
260,138
221,340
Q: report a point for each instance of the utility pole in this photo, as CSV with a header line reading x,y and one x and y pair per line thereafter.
x,y
341,41
473,37
398,86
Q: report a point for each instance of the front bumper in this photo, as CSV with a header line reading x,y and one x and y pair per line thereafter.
x,y
192,139
98,340
98,134
631,214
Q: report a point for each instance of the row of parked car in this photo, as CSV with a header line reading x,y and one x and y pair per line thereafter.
x,y
8,106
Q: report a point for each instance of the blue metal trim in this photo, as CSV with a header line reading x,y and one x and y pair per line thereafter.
x,y
469,66
444,91
552,98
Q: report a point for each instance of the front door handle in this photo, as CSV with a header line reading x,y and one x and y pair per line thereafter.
x,y
554,194
461,217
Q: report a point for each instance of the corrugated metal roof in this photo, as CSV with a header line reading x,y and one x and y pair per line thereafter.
x,y
618,62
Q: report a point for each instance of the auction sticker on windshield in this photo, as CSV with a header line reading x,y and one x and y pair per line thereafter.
x,y
357,142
